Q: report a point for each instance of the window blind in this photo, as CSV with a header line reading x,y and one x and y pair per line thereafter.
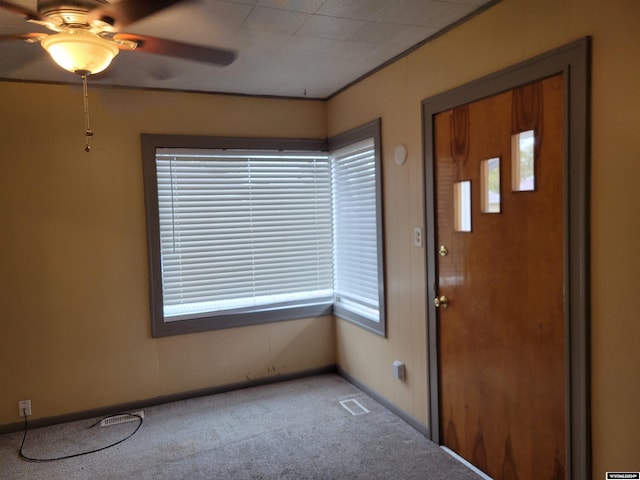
x,y
356,284
243,231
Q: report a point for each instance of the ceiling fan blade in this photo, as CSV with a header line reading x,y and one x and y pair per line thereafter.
x,y
29,14
126,12
27,37
117,72
170,48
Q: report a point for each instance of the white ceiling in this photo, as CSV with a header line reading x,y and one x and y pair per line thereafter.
x,y
292,48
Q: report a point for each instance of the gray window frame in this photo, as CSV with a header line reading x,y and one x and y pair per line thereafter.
x,y
161,328
369,130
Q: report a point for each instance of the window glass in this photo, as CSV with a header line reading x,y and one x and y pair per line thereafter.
x,y
355,229
462,206
523,161
242,230
490,185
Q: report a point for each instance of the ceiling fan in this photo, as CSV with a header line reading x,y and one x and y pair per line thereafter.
x,y
87,37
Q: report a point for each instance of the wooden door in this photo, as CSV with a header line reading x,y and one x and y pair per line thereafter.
x,y
501,338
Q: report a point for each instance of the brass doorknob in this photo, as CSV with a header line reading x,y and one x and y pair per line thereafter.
x,y
441,301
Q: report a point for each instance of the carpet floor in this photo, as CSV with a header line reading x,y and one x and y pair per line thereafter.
x,y
297,429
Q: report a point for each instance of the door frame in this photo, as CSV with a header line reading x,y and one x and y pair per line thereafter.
x,y
574,62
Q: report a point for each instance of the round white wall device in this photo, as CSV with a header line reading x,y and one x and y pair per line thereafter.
x,y
400,154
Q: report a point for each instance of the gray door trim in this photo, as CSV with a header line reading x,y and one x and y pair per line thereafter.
x,y
574,61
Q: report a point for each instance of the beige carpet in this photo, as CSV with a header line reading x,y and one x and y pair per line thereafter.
x,y
297,429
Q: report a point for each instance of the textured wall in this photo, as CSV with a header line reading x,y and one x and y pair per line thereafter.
x,y
73,281
510,32
74,308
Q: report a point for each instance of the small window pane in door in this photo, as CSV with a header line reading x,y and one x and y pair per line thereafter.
x,y
523,172
490,185
462,206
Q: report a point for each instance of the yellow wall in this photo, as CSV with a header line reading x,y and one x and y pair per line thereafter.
x,y
510,32
74,313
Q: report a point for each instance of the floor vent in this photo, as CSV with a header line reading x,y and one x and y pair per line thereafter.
x,y
123,418
354,407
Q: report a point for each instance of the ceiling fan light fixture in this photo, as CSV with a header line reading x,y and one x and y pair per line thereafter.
x,y
80,51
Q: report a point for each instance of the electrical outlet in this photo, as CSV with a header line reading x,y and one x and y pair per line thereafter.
x,y
24,406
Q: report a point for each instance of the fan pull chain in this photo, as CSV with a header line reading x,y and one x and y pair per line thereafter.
x,y
88,132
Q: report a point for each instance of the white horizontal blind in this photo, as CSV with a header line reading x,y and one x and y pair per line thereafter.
x,y
241,231
356,285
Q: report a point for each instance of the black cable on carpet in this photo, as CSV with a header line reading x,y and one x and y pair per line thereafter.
x,y
53,459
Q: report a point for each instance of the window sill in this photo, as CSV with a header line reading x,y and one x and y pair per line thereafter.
x,y
161,328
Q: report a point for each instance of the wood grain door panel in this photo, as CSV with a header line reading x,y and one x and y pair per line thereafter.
x,y
502,340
